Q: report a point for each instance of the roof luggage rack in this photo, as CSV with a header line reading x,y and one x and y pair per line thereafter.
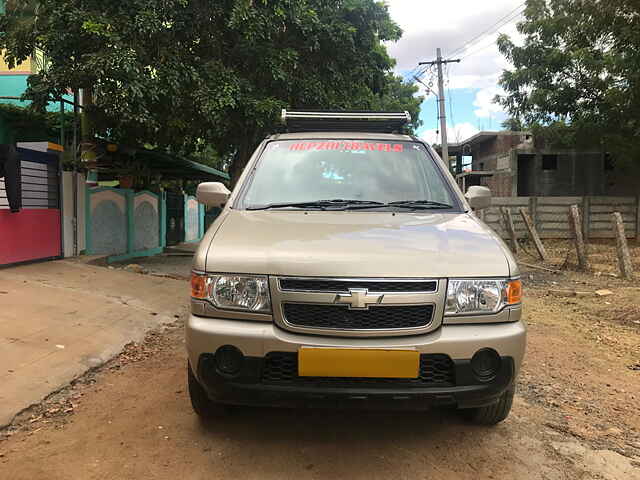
x,y
374,122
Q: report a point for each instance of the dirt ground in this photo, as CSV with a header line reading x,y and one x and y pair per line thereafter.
x,y
575,415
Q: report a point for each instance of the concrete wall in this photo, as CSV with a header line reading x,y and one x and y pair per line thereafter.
x,y
146,221
500,184
577,173
68,218
623,180
107,228
491,151
550,215
122,223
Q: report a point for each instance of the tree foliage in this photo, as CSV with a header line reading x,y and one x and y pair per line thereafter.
x,y
28,125
578,71
513,124
187,75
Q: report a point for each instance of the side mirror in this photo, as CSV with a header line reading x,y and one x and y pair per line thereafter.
x,y
212,194
478,197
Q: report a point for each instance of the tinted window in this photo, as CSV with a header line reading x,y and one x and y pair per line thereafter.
x,y
301,171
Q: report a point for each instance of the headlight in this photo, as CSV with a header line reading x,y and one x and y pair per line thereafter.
x,y
481,296
235,292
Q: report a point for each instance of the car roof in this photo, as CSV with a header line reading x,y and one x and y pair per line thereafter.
x,y
342,135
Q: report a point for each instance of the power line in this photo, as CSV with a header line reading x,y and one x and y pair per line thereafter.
x,y
483,48
516,12
495,26
424,69
427,87
475,52
412,73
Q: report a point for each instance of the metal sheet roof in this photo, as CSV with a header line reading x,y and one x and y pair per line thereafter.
x,y
177,167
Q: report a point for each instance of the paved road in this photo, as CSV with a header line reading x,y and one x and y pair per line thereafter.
x,y
60,319
133,420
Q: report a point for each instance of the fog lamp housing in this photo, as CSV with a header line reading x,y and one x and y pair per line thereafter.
x,y
229,360
485,364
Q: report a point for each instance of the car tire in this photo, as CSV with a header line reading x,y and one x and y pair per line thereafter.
x,y
494,413
200,401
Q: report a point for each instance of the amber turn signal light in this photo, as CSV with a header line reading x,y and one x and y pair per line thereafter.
x,y
514,292
198,286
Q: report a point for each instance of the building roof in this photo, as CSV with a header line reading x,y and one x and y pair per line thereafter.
x,y
475,173
456,148
118,159
177,167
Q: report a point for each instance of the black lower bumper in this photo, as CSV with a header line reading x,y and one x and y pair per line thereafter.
x,y
248,387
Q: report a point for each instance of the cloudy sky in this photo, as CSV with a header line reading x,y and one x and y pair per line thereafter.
x,y
465,29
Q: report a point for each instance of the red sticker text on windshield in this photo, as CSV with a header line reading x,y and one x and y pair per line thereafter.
x,y
342,146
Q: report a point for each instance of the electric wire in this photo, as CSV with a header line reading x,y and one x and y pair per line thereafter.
x,y
512,15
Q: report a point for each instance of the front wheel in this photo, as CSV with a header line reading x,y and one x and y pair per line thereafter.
x,y
200,401
494,413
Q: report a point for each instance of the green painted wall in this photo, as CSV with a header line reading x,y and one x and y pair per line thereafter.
x,y
13,86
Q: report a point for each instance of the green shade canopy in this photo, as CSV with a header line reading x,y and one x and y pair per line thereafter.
x,y
114,160
177,167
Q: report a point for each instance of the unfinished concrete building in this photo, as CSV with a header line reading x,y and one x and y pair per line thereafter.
x,y
513,164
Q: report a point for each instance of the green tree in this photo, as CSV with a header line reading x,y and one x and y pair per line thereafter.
x,y
513,124
398,95
577,70
184,74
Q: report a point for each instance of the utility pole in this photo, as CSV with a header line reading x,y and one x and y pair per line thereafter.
x,y
442,113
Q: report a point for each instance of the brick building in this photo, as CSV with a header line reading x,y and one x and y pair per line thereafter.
x,y
512,164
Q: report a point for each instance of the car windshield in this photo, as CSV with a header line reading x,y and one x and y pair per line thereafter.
x,y
347,173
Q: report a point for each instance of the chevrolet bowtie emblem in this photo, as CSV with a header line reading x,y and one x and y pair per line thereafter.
x,y
359,298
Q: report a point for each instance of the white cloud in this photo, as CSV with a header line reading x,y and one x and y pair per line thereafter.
x,y
450,25
484,102
455,133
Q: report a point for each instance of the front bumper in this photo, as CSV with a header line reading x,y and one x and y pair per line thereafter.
x,y
256,339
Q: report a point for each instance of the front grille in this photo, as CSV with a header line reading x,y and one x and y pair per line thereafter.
x,y
281,368
343,286
340,317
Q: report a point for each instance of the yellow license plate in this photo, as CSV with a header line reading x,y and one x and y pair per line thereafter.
x,y
348,362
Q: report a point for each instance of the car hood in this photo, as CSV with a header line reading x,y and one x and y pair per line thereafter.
x,y
352,244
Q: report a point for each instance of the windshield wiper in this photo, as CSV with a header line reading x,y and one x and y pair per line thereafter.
x,y
320,204
421,204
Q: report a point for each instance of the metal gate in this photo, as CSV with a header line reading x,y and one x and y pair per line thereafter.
x,y
210,217
175,218
30,226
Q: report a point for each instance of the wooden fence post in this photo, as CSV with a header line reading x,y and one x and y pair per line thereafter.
x,y
511,231
533,233
533,210
576,228
624,257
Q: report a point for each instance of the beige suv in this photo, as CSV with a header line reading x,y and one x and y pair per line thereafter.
x,y
347,270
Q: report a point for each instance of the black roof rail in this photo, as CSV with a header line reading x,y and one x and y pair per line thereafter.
x,y
328,121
